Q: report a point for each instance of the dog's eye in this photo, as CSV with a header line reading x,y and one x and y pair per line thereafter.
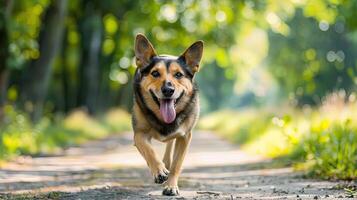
x,y
178,75
155,74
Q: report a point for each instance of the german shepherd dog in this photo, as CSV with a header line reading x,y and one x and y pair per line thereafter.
x,y
166,108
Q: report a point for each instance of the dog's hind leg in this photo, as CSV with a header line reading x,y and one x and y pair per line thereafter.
x,y
181,147
168,153
157,167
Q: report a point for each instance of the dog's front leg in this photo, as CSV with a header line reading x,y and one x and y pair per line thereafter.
x,y
168,154
157,167
181,146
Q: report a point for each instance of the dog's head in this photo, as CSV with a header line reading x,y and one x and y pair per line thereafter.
x,y
166,82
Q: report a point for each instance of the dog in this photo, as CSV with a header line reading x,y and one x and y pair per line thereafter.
x,y
166,108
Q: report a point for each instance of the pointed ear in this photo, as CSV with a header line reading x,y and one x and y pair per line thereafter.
x,y
192,56
144,50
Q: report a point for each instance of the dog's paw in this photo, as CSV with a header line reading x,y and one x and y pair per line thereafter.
x,y
161,176
170,191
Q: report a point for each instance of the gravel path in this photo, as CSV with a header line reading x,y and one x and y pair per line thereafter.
x,y
113,169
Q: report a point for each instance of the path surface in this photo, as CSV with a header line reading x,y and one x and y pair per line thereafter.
x,y
113,169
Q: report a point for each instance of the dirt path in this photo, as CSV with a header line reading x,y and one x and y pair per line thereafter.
x,y
113,169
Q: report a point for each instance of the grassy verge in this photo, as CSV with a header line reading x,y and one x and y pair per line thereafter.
x,y
18,136
322,141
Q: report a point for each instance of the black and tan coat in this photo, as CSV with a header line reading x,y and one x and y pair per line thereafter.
x,y
166,107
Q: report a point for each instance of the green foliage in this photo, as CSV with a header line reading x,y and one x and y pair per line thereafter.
x,y
117,120
312,63
237,126
259,131
321,141
19,136
214,97
251,48
331,151
23,28
351,192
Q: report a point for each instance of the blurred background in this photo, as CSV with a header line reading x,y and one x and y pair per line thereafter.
x,y
277,77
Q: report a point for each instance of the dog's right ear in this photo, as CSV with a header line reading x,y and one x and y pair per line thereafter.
x,y
144,51
192,56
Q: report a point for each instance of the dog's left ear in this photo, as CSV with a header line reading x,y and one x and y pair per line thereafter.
x,y
144,51
192,56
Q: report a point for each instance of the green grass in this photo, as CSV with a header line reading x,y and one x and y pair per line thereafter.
x,y
236,126
18,136
331,152
322,141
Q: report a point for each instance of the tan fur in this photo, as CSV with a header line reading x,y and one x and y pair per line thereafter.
x,y
145,133
171,163
179,140
168,153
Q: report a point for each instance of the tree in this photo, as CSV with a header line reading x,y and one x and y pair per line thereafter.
x,y
5,10
314,60
91,40
39,72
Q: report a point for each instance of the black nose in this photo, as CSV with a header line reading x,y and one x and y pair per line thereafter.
x,y
167,89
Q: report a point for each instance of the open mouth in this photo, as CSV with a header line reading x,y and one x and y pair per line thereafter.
x,y
167,107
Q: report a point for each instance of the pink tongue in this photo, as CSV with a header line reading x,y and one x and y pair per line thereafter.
x,y
167,110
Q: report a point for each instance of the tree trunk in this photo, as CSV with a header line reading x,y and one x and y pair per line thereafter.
x,y
4,54
5,11
91,32
65,77
39,72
